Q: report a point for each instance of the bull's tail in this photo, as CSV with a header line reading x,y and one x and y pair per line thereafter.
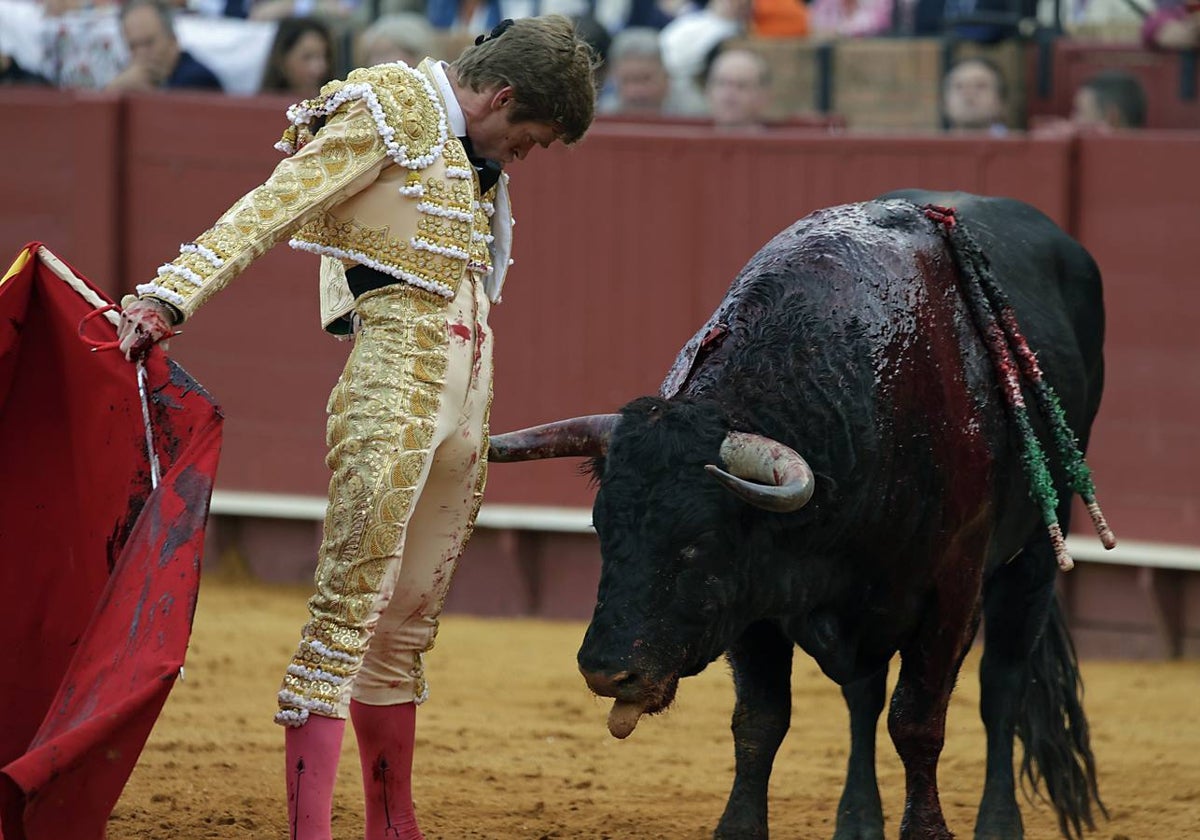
x,y
1054,730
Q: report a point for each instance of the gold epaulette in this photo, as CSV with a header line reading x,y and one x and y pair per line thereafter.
x,y
407,111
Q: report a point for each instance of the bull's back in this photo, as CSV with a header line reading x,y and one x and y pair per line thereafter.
x,y
856,315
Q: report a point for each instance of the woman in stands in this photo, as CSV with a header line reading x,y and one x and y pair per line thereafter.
x,y
301,59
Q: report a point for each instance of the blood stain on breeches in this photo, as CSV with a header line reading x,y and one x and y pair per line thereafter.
x,y
480,336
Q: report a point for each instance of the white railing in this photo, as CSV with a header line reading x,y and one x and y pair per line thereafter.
x,y
574,520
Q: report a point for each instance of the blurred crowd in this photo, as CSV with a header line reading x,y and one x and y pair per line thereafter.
x,y
684,59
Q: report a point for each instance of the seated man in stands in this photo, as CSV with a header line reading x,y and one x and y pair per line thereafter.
x,y
1112,99
738,89
638,81
974,97
156,59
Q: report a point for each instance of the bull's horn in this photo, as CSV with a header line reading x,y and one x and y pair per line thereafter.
x,y
764,472
579,436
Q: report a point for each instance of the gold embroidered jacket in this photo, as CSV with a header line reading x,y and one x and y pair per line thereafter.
x,y
382,183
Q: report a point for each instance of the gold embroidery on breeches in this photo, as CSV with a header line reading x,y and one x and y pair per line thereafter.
x,y
407,438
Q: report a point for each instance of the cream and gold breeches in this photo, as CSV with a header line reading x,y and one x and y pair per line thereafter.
x,y
407,442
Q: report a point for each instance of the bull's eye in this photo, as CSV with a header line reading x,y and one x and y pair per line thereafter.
x,y
689,553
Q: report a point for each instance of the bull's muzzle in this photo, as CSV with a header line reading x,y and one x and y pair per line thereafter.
x,y
623,685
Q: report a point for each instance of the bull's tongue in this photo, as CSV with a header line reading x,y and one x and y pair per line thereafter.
x,y
623,718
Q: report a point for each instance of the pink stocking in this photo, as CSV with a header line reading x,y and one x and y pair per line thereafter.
x,y
385,747
313,750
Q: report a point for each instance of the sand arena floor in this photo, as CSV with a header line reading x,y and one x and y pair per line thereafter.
x,y
512,745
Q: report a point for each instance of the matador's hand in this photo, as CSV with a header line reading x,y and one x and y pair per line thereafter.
x,y
144,323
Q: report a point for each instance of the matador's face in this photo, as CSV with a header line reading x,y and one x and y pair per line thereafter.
x,y
496,137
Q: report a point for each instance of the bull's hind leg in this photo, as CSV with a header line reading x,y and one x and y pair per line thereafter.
x,y
762,676
917,717
1031,686
860,813
1016,602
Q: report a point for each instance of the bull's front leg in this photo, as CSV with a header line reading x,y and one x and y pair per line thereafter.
x,y
762,675
860,812
917,717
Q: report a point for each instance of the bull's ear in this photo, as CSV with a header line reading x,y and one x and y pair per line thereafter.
x,y
764,472
585,437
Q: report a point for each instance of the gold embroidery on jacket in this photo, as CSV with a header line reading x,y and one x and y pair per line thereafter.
x,y
432,255
300,187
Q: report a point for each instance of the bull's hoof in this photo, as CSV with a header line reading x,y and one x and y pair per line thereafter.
x,y
992,832
931,832
855,831
999,817
729,831
859,822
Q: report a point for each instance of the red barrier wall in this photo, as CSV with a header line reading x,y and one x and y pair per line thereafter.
x,y
624,246
60,178
619,259
258,346
1138,200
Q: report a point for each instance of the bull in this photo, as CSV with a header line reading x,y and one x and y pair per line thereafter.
x,y
843,458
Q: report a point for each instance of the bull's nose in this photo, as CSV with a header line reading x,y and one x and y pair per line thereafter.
x,y
620,684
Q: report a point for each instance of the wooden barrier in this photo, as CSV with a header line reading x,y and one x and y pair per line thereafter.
x,y
1137,212
582,328
888,84
60,178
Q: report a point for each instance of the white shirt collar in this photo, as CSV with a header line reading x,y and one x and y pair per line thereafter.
x,y
454,112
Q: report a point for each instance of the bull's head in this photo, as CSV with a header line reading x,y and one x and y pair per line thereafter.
x,y
673,538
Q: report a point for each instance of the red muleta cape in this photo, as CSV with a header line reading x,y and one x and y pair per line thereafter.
x,y
98,573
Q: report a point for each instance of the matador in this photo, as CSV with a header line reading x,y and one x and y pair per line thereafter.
x,y
394,176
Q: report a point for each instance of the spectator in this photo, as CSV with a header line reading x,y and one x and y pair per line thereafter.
x,y
403,36
974,96
850,18
12,73
301,58
613,15
779,18
638,82
479,16
1174,25
1106,18
1108,100
989,21
82,47
738,89
333,10
618,15
156,61
689,40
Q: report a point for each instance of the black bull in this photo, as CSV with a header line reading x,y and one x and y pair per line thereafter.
x,y
848,339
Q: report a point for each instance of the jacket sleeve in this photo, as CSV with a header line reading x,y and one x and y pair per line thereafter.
x,y
344,157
